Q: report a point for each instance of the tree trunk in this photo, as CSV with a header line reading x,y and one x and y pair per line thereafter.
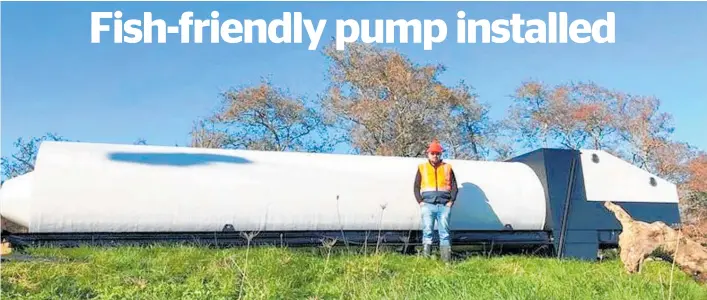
x,y
638,240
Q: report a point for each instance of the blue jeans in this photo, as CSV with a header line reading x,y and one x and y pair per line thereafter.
x,y
435,213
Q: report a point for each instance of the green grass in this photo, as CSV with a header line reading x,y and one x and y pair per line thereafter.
x,y
180,272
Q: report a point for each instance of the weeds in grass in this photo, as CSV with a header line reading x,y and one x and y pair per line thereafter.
x,y
328,244
380,226
244,272
341,225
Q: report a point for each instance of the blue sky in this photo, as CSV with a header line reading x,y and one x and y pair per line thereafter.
x,y
54,79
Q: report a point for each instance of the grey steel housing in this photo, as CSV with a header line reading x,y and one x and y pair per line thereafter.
x,y
579,227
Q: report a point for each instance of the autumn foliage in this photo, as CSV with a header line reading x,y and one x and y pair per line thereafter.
x,y
262,117
388,105
380,102
698,174
585,115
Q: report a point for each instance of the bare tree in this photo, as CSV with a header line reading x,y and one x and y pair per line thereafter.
x,y
698,173
645,131
264,117
389,105
694,190
570,115
205,134
23,160
140,141
471,134
527,115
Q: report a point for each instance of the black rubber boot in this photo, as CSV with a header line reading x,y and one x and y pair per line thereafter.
x,y
446,254
426,250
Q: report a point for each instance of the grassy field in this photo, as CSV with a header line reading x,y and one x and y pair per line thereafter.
x,y
180,272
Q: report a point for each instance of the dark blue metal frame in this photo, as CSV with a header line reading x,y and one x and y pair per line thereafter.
x,y
579,228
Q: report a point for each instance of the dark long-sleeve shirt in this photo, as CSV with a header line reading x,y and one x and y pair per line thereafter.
x,y
418,180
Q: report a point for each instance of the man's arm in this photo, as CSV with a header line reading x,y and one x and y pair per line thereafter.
x,y
416,187
455,189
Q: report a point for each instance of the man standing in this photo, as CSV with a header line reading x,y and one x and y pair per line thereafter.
x,y
435,190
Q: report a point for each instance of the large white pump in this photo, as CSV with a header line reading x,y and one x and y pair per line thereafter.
x,y
90,187
83,192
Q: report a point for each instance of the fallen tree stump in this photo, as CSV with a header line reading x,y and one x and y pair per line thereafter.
x,y
638,240
697,232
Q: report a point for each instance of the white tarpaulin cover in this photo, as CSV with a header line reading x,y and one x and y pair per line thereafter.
x,y
88,187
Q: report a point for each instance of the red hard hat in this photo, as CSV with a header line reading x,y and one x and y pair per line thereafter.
x,y
434,147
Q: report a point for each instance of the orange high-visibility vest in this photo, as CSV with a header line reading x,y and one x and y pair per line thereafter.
x,y
435,179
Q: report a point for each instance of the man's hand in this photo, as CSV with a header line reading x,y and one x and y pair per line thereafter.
x,y
421,204
449,204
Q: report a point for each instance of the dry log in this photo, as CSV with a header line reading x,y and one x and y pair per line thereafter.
x,y
5,248
639,240
697,232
